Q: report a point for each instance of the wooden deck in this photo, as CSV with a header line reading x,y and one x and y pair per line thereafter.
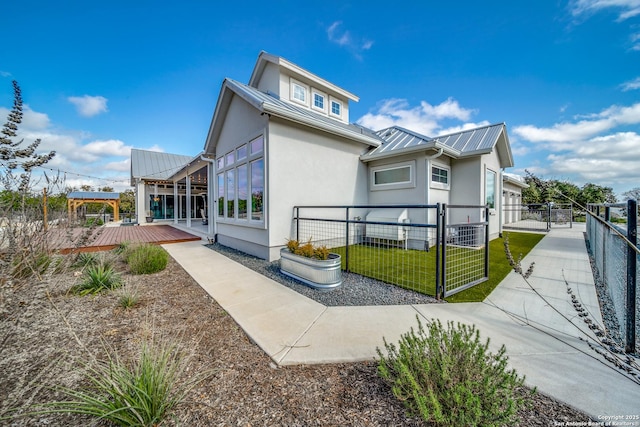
x,y
107,238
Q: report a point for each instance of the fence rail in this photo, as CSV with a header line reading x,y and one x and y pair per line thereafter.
x,y
617,260
537,217
401,244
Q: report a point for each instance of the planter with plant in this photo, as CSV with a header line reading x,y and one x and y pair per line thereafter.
x,y
313,265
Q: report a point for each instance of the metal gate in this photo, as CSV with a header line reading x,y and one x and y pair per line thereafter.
x,y
465,247
537,217
433,249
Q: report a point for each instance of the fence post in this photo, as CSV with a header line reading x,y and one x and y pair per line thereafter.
x,y
486,242
570,215
297,223
443,243
632,235
346,252
438,282
548,216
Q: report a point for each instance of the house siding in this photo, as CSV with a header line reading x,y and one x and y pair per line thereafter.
x,y
242,124
309,168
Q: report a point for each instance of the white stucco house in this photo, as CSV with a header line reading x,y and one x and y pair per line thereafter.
x,y
285,139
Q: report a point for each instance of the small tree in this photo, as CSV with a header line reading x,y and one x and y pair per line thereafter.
x,y
13,154
22,243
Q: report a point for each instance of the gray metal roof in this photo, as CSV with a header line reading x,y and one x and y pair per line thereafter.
x,y
398,141
153,165
272,104
93,195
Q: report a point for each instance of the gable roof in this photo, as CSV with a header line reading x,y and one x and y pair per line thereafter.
x,y
271,104
153,165
265,58
467,143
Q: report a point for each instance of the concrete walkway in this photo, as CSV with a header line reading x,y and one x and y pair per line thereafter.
x,y
293,329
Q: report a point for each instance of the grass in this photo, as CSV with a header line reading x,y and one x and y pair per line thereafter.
x,y
146,258
142,393
98,278
415,270
520,244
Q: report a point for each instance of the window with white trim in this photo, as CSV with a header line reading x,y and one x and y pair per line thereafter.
x,y
336,108
241,184
298,92
395,176
440,177
318,101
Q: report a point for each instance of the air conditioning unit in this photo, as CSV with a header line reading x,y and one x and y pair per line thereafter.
x,y
388,232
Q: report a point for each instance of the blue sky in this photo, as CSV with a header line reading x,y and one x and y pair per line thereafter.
x,y
100,78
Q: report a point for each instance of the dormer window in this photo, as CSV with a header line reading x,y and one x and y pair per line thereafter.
x,y
336,108
318,101
299,92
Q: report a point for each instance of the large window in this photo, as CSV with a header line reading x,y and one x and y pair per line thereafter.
x,y
241,183
490,189
398,175
392,176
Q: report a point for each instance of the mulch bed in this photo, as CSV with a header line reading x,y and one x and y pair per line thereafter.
x,y
46,332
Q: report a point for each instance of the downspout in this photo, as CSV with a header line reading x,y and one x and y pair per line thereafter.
x,y
429,158
501,210
211,192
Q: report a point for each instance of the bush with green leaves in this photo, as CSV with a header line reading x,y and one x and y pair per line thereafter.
x,y
98,278
448,376
139,393
128,298
146,259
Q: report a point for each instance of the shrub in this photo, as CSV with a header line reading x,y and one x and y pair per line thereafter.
x,y
308,249
141,393
27,264
147,259
122,248
448,377
85,259
98,278
128,298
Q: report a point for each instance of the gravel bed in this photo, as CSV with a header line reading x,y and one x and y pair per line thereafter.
x,y
355,289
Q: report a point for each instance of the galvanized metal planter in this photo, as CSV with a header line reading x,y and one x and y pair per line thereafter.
x,y
319,274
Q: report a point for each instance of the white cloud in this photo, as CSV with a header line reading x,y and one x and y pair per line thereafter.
x,y
626,8
343,38
5,74
598,148
80,158
121,166
570,132
89,106
424,118
631,85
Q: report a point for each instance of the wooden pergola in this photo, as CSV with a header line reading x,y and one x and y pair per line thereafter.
x,y
75,199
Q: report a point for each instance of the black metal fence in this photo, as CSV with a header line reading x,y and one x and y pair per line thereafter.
x,y
614,248
537,217
418,247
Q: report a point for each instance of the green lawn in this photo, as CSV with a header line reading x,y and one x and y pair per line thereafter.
x,y
519,243
415,270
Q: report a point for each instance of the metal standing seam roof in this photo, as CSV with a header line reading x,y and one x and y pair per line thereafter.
x,y
91,195
269,102
398,140
154,165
